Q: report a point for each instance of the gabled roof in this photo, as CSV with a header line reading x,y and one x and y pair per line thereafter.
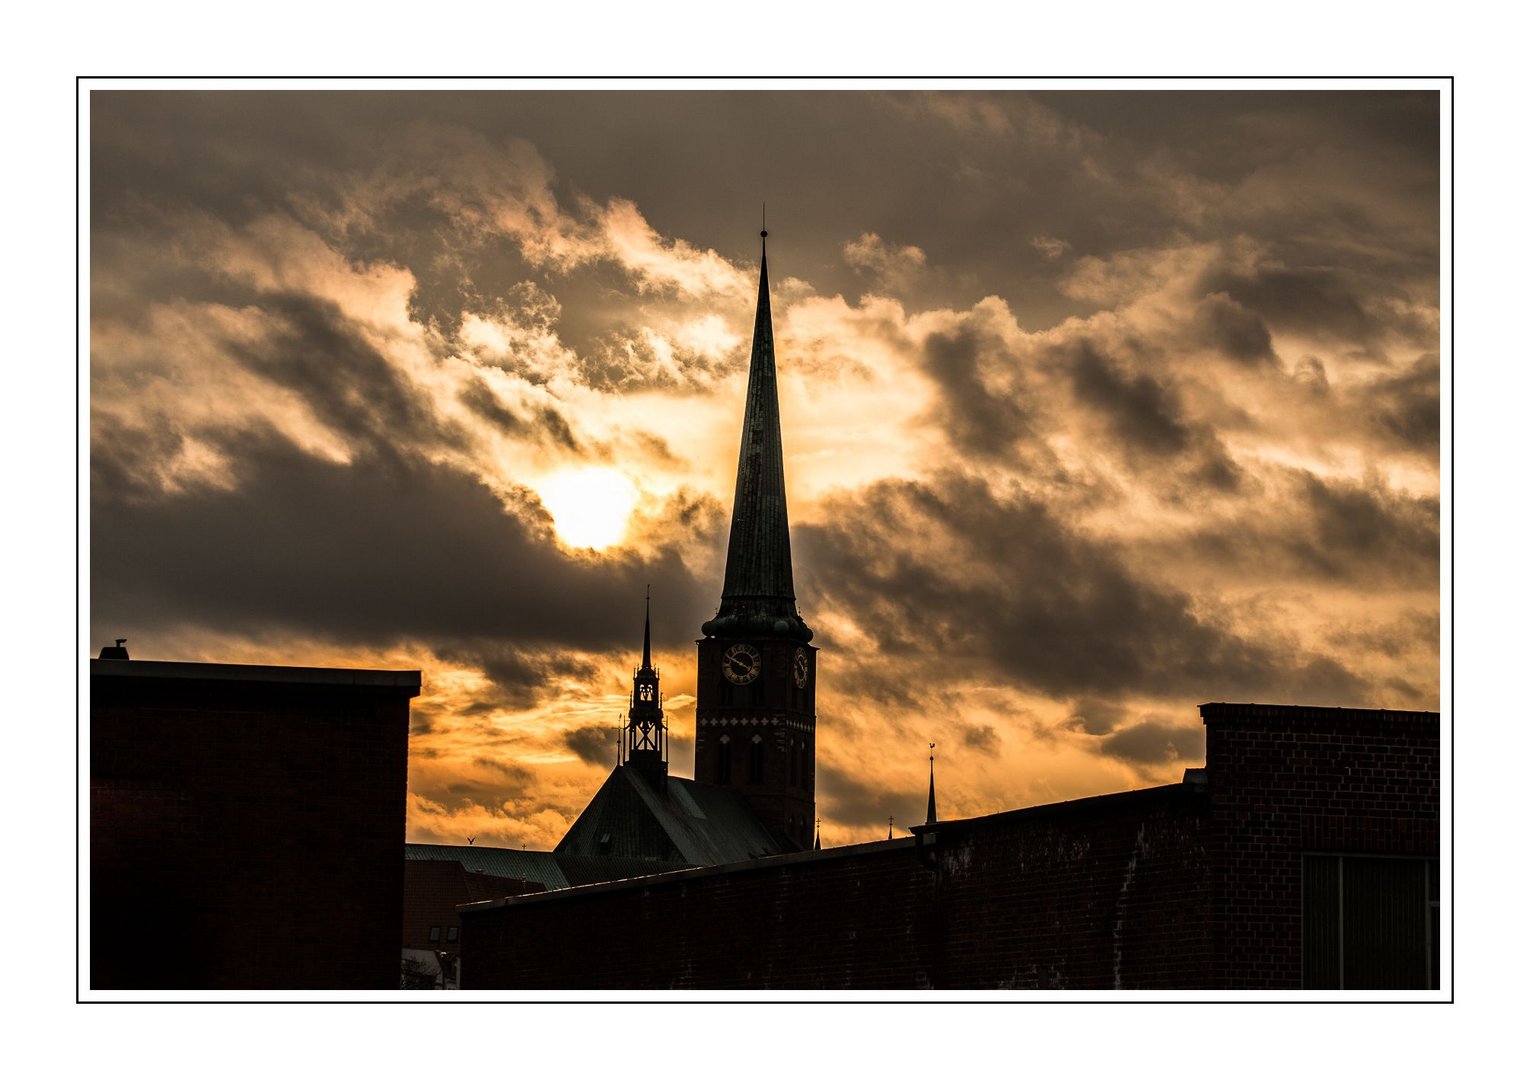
x,y
668,820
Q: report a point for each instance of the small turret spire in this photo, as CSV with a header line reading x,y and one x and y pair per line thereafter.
x,y
929,818
646,740
818,835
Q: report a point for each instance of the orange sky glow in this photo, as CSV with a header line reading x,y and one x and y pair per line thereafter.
x,y
1095,407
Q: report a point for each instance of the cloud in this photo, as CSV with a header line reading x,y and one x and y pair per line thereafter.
x,y
994,583
1047,493
892,268
596,745
1154,742
1051,247
384,547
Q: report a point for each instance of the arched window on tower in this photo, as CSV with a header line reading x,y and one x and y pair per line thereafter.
x,y
757,761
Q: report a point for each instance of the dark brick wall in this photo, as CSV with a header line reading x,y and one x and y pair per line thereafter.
x,y
1098,893
829,922
1189,886
1289,779
246,835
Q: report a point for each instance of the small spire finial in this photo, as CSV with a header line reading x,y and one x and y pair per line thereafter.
x,y
818,835
889,826
930,811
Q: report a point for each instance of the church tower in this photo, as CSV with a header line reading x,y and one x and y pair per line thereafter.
x,y
756,673
645,745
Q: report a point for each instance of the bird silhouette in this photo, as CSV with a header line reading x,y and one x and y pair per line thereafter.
x,y
471,839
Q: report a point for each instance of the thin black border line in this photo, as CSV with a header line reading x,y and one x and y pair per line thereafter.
x,y
1452,539
771,78
78,680
540,78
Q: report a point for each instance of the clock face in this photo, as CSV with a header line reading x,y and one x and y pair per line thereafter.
x,y
741,663
800,667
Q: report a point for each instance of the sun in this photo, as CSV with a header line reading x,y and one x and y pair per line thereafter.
x,y
589,506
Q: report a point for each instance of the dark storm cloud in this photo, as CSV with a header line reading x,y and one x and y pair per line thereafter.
x,y
477,396
123,458
996,584
1333,530
1147,419
508,769
1406,405
1154,742
1318,301
1096,717
380,550
980,737
1233,330
979,419
313,350
595,743
1367,528
521,675
1141,411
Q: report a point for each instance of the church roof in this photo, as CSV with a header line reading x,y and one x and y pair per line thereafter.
x,y
538,866
669,822
758,596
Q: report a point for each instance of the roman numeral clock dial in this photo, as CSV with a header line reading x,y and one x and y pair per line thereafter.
x,y
741,664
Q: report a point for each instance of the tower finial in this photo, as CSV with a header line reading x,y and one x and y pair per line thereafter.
x,y
818,835
929,818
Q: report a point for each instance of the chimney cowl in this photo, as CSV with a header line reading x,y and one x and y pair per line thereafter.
x,y
114,652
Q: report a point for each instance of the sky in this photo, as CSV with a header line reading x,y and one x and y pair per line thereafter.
x,y
1096,406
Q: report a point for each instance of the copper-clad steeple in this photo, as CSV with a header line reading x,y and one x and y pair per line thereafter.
x,y
758,596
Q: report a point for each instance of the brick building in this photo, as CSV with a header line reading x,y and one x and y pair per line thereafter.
x,y
433,890
245,825
1304,854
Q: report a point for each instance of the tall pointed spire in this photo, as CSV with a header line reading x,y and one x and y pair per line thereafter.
x,y
758,596
929,817
647,599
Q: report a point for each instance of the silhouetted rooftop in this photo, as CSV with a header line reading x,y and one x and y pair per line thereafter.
x,y
677,821
168,669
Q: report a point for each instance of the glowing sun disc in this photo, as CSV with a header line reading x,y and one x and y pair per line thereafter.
x,y
589,507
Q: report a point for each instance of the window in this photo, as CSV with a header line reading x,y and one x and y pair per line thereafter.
x,y
1370,923
435,933
451,933
757,761
725,761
